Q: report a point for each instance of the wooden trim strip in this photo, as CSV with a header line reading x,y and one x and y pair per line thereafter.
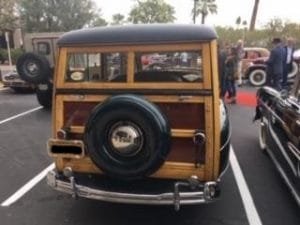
x,y
182,133
216,105
78,98
130,67
198,92
124,85
136,48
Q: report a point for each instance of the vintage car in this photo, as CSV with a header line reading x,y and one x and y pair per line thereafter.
x,y
35,67
279,131
253,55
12,80
254,69
128,135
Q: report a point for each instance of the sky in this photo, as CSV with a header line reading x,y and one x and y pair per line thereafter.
x,y
228,10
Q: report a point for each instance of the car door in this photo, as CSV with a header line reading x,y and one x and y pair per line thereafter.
x,y
285,127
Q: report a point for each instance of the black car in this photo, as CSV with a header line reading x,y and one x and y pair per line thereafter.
x,y
279,131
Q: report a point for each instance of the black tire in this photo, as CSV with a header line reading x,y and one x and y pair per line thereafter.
x,y
145,129
258,77
33,68
44,96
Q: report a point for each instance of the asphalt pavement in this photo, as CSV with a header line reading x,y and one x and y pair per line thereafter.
x,y
23,155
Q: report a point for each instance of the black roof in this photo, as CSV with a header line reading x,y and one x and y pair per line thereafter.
x,y
135,34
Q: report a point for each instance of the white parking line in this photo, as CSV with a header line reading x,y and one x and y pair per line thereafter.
x,y
19,115
36,179
27,187
251,211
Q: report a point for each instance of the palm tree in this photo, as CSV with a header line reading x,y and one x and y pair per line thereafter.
x,y
204,7
254,15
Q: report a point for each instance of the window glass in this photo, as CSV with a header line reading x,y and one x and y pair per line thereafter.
x,y
43,48
96,67
183,66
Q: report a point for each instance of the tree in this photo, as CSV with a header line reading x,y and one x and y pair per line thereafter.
x,y
152,11
238,21
254,15
98,22
118,19
57,15
205,7
8,17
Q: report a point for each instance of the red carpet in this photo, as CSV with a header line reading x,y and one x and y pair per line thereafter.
x,y
246,98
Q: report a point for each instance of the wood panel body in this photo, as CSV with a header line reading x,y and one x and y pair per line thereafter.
x,y
186,115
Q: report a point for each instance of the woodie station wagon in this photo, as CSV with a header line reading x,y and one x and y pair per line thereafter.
x,y
128,129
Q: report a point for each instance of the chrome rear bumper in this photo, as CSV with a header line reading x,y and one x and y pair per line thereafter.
x,y
200,192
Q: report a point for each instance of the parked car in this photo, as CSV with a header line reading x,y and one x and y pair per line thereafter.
x,y
152,135
279,132
13,81
254,68
36,66
253,55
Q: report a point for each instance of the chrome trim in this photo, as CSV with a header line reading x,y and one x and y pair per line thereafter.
x,y
227,165
284,176
168,198
294,150
199,138
273,113
68,143
126,138
228,139
283,151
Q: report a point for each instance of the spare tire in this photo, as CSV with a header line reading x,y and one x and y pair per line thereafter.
x,y
33,68
127,137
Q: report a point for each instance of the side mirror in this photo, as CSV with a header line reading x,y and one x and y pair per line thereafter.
x,y
284,94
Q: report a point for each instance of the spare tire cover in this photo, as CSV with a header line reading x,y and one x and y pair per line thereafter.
x,y
127,137
33,68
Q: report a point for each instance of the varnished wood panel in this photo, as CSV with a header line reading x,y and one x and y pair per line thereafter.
x,y
170,170
180,115
216,105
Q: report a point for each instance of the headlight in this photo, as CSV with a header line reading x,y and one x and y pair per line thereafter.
x,y
77,76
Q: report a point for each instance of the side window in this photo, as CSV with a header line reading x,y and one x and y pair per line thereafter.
x,y
43,48
181,66
96,67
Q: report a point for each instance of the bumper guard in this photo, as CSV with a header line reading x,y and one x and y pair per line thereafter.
x,y
200,192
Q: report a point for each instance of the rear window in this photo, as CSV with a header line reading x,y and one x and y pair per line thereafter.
x,y
95,67
184,66
158,67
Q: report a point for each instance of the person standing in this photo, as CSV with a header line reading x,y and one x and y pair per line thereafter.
x,y
222,55
287,61
230,71
240,54
275,65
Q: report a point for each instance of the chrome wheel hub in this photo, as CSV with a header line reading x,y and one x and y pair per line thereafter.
x,y
126,138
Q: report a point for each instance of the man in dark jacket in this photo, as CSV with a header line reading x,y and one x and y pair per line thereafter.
x,y
287,61
275,65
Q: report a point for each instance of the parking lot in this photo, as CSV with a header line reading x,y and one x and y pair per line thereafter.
x,y
252,190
